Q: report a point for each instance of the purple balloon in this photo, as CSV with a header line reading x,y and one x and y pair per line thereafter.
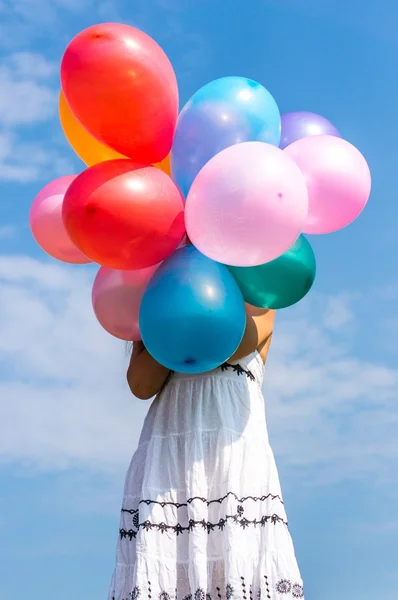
x,y
297,125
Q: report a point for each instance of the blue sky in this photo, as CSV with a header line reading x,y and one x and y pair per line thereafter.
x,y
68,426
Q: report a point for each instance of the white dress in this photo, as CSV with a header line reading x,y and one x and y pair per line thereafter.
x,y
202,515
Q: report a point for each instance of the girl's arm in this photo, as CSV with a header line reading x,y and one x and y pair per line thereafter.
x,y
145,375
258,332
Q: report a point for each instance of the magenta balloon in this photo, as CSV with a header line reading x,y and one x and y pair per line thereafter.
x,y
116,299
247,206
296,125
47,224
338,181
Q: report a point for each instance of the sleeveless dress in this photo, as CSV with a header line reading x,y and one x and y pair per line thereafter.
x,y
202,515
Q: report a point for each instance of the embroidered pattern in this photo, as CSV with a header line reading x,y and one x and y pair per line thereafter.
x,y
206,525
297,591
205,501
134,595
244,595
266,588
238,370
198,595
283,586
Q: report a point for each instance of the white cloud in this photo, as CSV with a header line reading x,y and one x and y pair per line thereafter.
x,y
28,98
27,95
7,232
33,9
23,162
63,385
331,409
338,312
26,20
65,402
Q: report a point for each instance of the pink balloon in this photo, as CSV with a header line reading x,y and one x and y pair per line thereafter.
x,y
47,224
58,186
247,205
338,181
116,298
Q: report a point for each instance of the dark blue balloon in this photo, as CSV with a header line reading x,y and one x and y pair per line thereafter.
x,y
192,316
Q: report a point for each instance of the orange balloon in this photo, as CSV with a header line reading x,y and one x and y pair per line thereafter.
x,y
165,165
121,86
90,150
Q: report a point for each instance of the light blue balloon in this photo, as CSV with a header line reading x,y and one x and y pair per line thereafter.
x,y
227,111
192,315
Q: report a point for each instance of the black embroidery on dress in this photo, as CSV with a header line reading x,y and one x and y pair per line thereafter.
x,y
204,500
238,369
284,586
229,591
135,594
267,587
128,534
243,588
298,591
206,525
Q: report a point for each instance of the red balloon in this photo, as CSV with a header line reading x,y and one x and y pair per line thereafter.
x,y
124,215
121,86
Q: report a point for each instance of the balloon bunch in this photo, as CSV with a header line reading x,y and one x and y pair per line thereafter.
x,y
241,180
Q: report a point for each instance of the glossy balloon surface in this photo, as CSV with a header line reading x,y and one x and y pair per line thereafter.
x,y
124,215
116,298
297,125
227,111
281,282
47,225
247,206
338,181
192,315
121,87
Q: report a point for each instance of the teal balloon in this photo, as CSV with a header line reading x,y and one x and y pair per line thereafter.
x,y
281,282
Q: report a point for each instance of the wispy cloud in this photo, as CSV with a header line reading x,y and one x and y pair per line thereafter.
x,y
23,162
28,100
25,94
330,408
63,376
25,21
338,311
7,232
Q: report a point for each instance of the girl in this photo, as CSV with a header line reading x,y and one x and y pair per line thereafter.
x,y
203,516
